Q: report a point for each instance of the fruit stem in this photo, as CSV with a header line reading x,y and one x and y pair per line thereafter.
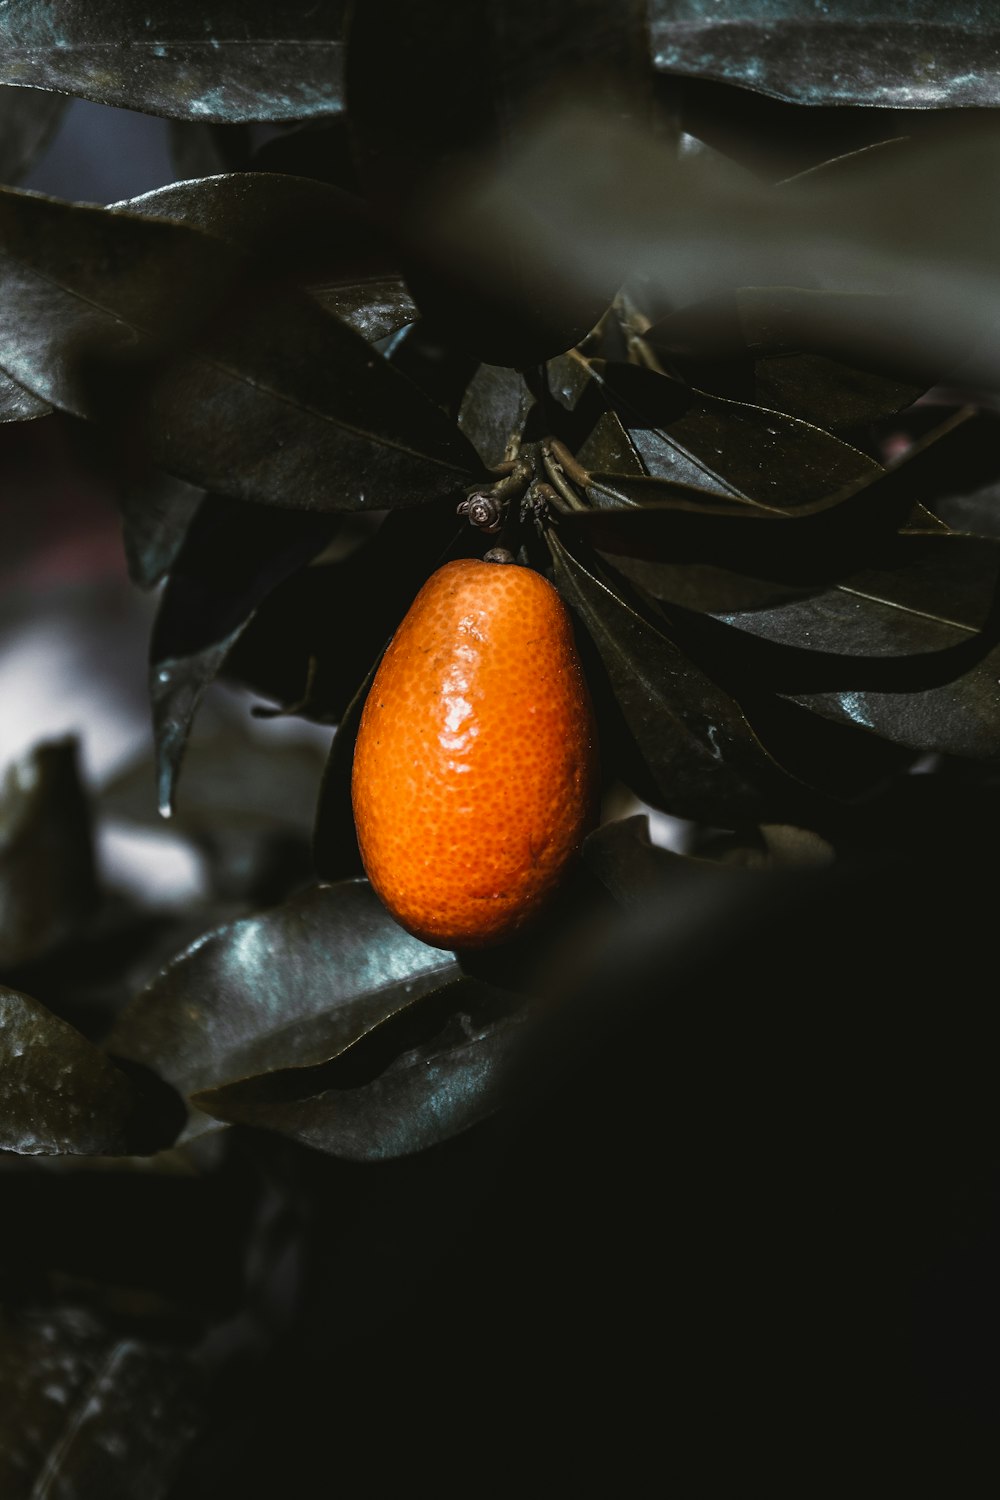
x,y
560,463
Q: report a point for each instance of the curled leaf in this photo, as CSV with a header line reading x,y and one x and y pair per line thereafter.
x,y
292,987
367,1108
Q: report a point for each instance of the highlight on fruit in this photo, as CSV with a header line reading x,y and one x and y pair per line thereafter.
x,y
475,773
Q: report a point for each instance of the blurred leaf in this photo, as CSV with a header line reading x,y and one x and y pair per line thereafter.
x,y
846,52
622,855
370,1107
685,232
48,886
229,773
157,1242
161,333
699,754
223,61
689,548
246,811
909,649
434,97
156,514
84,1412
198,149
29,119
771,846
741,131
58,1094
316,148
832,358
231,558
295,986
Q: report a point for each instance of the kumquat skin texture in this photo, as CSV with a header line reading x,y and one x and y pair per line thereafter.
x,y
475,772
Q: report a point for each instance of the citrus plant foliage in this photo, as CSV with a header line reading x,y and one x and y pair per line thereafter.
x,y
691,306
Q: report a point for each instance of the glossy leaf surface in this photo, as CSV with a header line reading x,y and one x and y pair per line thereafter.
x,y
693,550
293,987
909,650
692,739
19,405
730,446
311,232
157,331
58,1094
403,1093
894,52
223,61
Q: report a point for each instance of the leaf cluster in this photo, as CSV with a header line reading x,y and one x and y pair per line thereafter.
x,y
720,288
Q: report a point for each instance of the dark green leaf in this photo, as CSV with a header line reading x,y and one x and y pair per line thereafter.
x,y
160,332
493,412
223,61
85,1412
309,231
699,755
313,640
729,446
685,233
58,1094
293,987
156,513
375,308
683,546
154,1241
831,358
435,96
28,121
48,886
19,405
894,52
365,1108
232,557
909,649
441,369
